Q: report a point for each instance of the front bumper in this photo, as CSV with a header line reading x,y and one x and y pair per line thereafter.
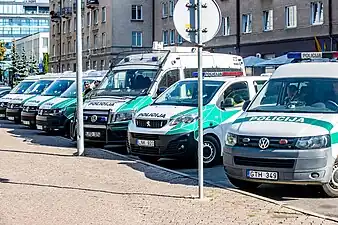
x,y
2,113
48,122
293,166
171,146
28,118
13,114
108,134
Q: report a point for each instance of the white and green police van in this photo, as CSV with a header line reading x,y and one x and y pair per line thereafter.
x,y
15,105
31,107
17,91
58,112
288,134
136,81
168,128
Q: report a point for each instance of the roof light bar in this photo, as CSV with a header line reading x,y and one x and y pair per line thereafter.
x,y
219,74
312,55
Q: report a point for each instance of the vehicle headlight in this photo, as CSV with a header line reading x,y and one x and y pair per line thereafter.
x,y
124,116
230,139
314,142
183,119
56,111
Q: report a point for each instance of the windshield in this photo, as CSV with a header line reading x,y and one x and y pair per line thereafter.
x,y
185,93
57,88
71,91
22,87
38,87
298,95
125,82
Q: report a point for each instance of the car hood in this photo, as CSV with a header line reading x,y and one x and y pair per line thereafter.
x,y
58,103
21,99
38,100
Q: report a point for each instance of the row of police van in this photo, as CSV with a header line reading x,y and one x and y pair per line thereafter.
x,y
279,129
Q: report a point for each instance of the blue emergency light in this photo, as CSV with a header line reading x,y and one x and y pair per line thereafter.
x,y
312,55
219,74
154,58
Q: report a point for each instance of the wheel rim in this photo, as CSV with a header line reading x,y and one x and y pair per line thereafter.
x,y
209,152
334,178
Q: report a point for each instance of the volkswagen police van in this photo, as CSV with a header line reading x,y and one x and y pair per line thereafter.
x,y
15,92
15,105
288,133
58,112
168,128
136,81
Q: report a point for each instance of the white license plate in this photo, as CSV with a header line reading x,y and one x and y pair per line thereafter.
x,y
146,143
93,134
26,122
10,118
2,115
39,127
264,175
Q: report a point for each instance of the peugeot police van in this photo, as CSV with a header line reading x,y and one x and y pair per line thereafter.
x,y
136,81
288,133
57,113
169,126
15,105
15,92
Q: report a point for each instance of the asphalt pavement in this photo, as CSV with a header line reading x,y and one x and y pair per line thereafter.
x,y
307,198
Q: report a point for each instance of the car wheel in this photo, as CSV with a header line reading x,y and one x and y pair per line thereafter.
x,y
242,184
211,151
331,188
150,159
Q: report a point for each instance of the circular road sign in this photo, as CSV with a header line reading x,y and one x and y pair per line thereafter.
x,y
185,19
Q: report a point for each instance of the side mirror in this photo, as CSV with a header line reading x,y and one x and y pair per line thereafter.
x,y
161,90
245,105
228,102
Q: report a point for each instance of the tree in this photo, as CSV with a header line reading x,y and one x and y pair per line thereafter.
x,y
33,66
2,50
15,62
45,62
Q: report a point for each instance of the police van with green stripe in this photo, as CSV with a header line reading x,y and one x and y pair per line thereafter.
x,y
168,128
288,133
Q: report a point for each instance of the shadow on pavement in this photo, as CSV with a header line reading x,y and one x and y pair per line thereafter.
x,y
34,153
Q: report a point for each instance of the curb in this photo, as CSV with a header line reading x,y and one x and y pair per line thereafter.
x,y
303,211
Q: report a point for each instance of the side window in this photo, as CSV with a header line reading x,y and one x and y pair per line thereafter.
x,y
169,78
234,96
259,84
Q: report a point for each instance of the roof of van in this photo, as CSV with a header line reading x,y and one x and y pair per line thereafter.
x,y
225,78
308,69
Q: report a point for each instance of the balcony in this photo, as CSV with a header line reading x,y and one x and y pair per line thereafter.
x,y
55,16
67,12
91,4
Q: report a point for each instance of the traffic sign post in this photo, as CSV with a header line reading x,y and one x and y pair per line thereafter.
x,y
198,21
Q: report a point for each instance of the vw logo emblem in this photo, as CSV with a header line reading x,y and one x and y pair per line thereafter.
x,y
263,143
148,123
93,118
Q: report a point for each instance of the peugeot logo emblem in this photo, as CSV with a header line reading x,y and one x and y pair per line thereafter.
x,y
263,143
93,118
148,123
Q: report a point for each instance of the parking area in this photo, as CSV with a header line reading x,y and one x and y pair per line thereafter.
x,y
41,181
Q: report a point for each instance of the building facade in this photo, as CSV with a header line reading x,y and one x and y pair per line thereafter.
x,y
267,28
108,28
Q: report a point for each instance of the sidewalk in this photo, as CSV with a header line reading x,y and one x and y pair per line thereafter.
x,y
47,185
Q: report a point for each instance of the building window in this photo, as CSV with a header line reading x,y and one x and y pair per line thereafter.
x,y
53,50
53,31
87,65
165,37
69,47
94,65
102,65
88,19
104,14
104,40
75,24
136,39
96,16
82,21
136,12
225,26
95,41
45,42
63,48
75,46
291,16
247,23
171,8
64,27
317,13
179,39
172,37
164,10
88,43
69,26
268,20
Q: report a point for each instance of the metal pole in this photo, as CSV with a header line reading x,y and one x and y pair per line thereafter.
x,y
200,100
80,140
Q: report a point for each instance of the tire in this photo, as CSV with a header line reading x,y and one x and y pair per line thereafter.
x,y
66,130
331,189
211,151
242,184
150,159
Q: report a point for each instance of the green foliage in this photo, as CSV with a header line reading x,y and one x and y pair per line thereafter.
x,y
45,62
2,50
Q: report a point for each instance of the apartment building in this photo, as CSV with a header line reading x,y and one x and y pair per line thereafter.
x,y
268,27
108,28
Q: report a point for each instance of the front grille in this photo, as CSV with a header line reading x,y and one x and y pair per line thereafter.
x,y
3,104
145,150
14,106
30,109
252,141
145,136
151,123
259,162
95,119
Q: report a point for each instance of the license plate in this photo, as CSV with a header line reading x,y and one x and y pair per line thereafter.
x,y
93,134
10,118
264,175
39,127
146,143
2,115
26,122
